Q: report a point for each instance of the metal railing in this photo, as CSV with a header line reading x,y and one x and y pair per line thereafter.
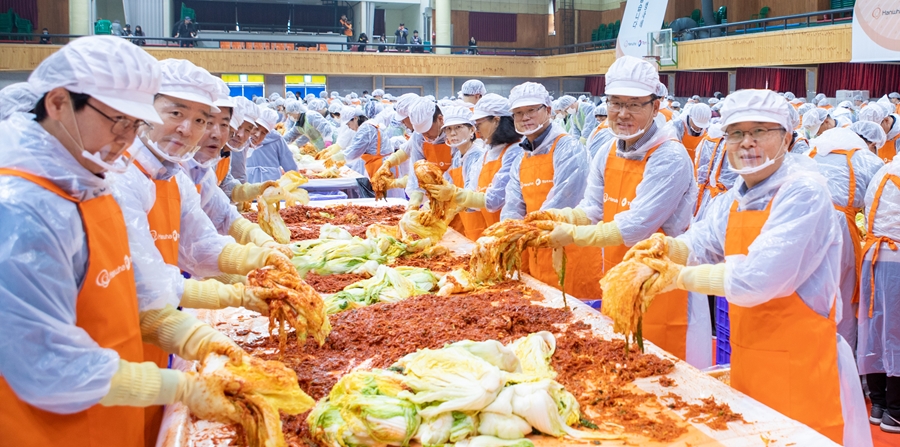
x,y
710,31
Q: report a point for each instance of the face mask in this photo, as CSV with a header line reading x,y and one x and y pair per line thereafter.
x,y
570,111
746,166
168,150
624,136
526,133
98,158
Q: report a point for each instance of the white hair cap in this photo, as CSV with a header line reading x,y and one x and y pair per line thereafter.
x,y
631,76
700,115
323,94
421,113
249,110
268,118
318,104
378,92
335,95
293,106
353,95
348,113
894,95
183,80
661,90
473,87
837,138
676,104
529,94
454,115
789,96
820,97
564,102
404,103
278,102
274,96
713,101
873,113
813,119
871,132
335,107
795,118
845,104
223,98
491,104
15,98
695,97
109,69
822,103
805,108
600,110
237,115
755,106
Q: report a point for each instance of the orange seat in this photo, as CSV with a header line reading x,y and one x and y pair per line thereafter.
x,y
225,45
312,49
301,48
237,45
323,47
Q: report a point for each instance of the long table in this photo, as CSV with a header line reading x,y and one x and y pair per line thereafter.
x,y
764,426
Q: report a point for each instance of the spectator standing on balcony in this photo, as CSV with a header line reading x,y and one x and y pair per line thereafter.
x,y
186,32
346,26
417,41
361,42
116,29
45,37
381,48
126,32
473,46
401,35
138,32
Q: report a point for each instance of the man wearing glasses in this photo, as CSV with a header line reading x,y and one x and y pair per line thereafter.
x,y
640,183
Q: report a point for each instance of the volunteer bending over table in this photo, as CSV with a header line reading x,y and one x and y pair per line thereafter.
x,y
238,146
772,246
272,158
640,183
71,320
309,126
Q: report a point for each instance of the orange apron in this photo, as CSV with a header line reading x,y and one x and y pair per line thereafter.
x,y
373,162
222,169
470,223
666,113
691,142
165,227
888,151
488,170
783,353
876,241
439,154
718,187
850,215
107,309
665,322
582,274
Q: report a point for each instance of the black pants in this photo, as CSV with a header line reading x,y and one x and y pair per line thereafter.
x,y
884,391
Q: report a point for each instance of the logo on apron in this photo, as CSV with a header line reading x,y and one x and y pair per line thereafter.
x,y
165,237
105,276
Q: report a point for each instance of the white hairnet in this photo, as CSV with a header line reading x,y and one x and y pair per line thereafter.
x,y
237,115
318,104
421,114
675,104
529,94
819,97
249,110
378,92
813,119
353,95
695,97
473,87
805,108
822,103
713,101
335,95
491,104
404,103
661,90
840,111
870,131
845,104
274,96
279,102
789,96
874,114
601,110
109,69
794,118
184,80
755,105
223,98
631,76
564,102
348,113
268,118
268,105
894,95
335,107
293,106
837,138
18,97
454,115
323,94
700,115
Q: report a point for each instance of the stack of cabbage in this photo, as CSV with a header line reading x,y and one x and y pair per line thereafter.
x,y
473,394
389,285
336,251
269,203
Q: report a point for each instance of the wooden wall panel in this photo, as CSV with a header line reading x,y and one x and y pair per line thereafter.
x,y
53,15
531,31
741,10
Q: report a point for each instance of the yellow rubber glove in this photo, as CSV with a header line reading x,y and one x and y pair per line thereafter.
x,y
469,199
182,334
665,278
205,397
245,232
338,157
330,151
582,140
242,259
393,160
706,279
229,278
441,193
676,250
399,183
248,192
562,234
211,294
601,235
141,385
415,200
283,249
574,216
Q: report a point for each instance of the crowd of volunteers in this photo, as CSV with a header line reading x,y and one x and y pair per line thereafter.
x,y
119,177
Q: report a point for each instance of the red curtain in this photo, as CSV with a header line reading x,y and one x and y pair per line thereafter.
x,y
778,79
878,79
26,9
492,27
379,26
597,84
702,83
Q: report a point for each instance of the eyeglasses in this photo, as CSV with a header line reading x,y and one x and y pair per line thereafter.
x,y
634,107
522,114
757,134
121,126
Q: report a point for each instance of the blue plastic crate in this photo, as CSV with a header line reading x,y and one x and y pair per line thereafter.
x,y
723,332
722,312
723,352
594,303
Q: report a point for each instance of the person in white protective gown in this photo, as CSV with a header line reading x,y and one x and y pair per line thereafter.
x,y
575,114
600,135
691,129
640,183
772,246
239,145
871,133
272,158
71,319
844,159
18,97
366,150
310,126
471,92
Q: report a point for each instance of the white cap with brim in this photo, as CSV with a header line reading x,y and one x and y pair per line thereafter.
x,y
249,110
456,115
631,76
268,118
764,106
223,98
183,80
491,104
109,69
421,113
529,94
404,103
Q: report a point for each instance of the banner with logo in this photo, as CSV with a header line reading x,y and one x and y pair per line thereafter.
x,y
876,31
641,17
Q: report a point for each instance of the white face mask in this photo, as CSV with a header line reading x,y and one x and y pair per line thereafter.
x,y
571,111
98,158
526,133
751,165
627,137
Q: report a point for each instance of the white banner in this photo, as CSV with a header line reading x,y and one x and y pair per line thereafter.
x,y
640,18
876,31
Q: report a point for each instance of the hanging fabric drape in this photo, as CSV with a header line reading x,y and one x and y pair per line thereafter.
x,y
878,79
492,27
777,79
702,83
